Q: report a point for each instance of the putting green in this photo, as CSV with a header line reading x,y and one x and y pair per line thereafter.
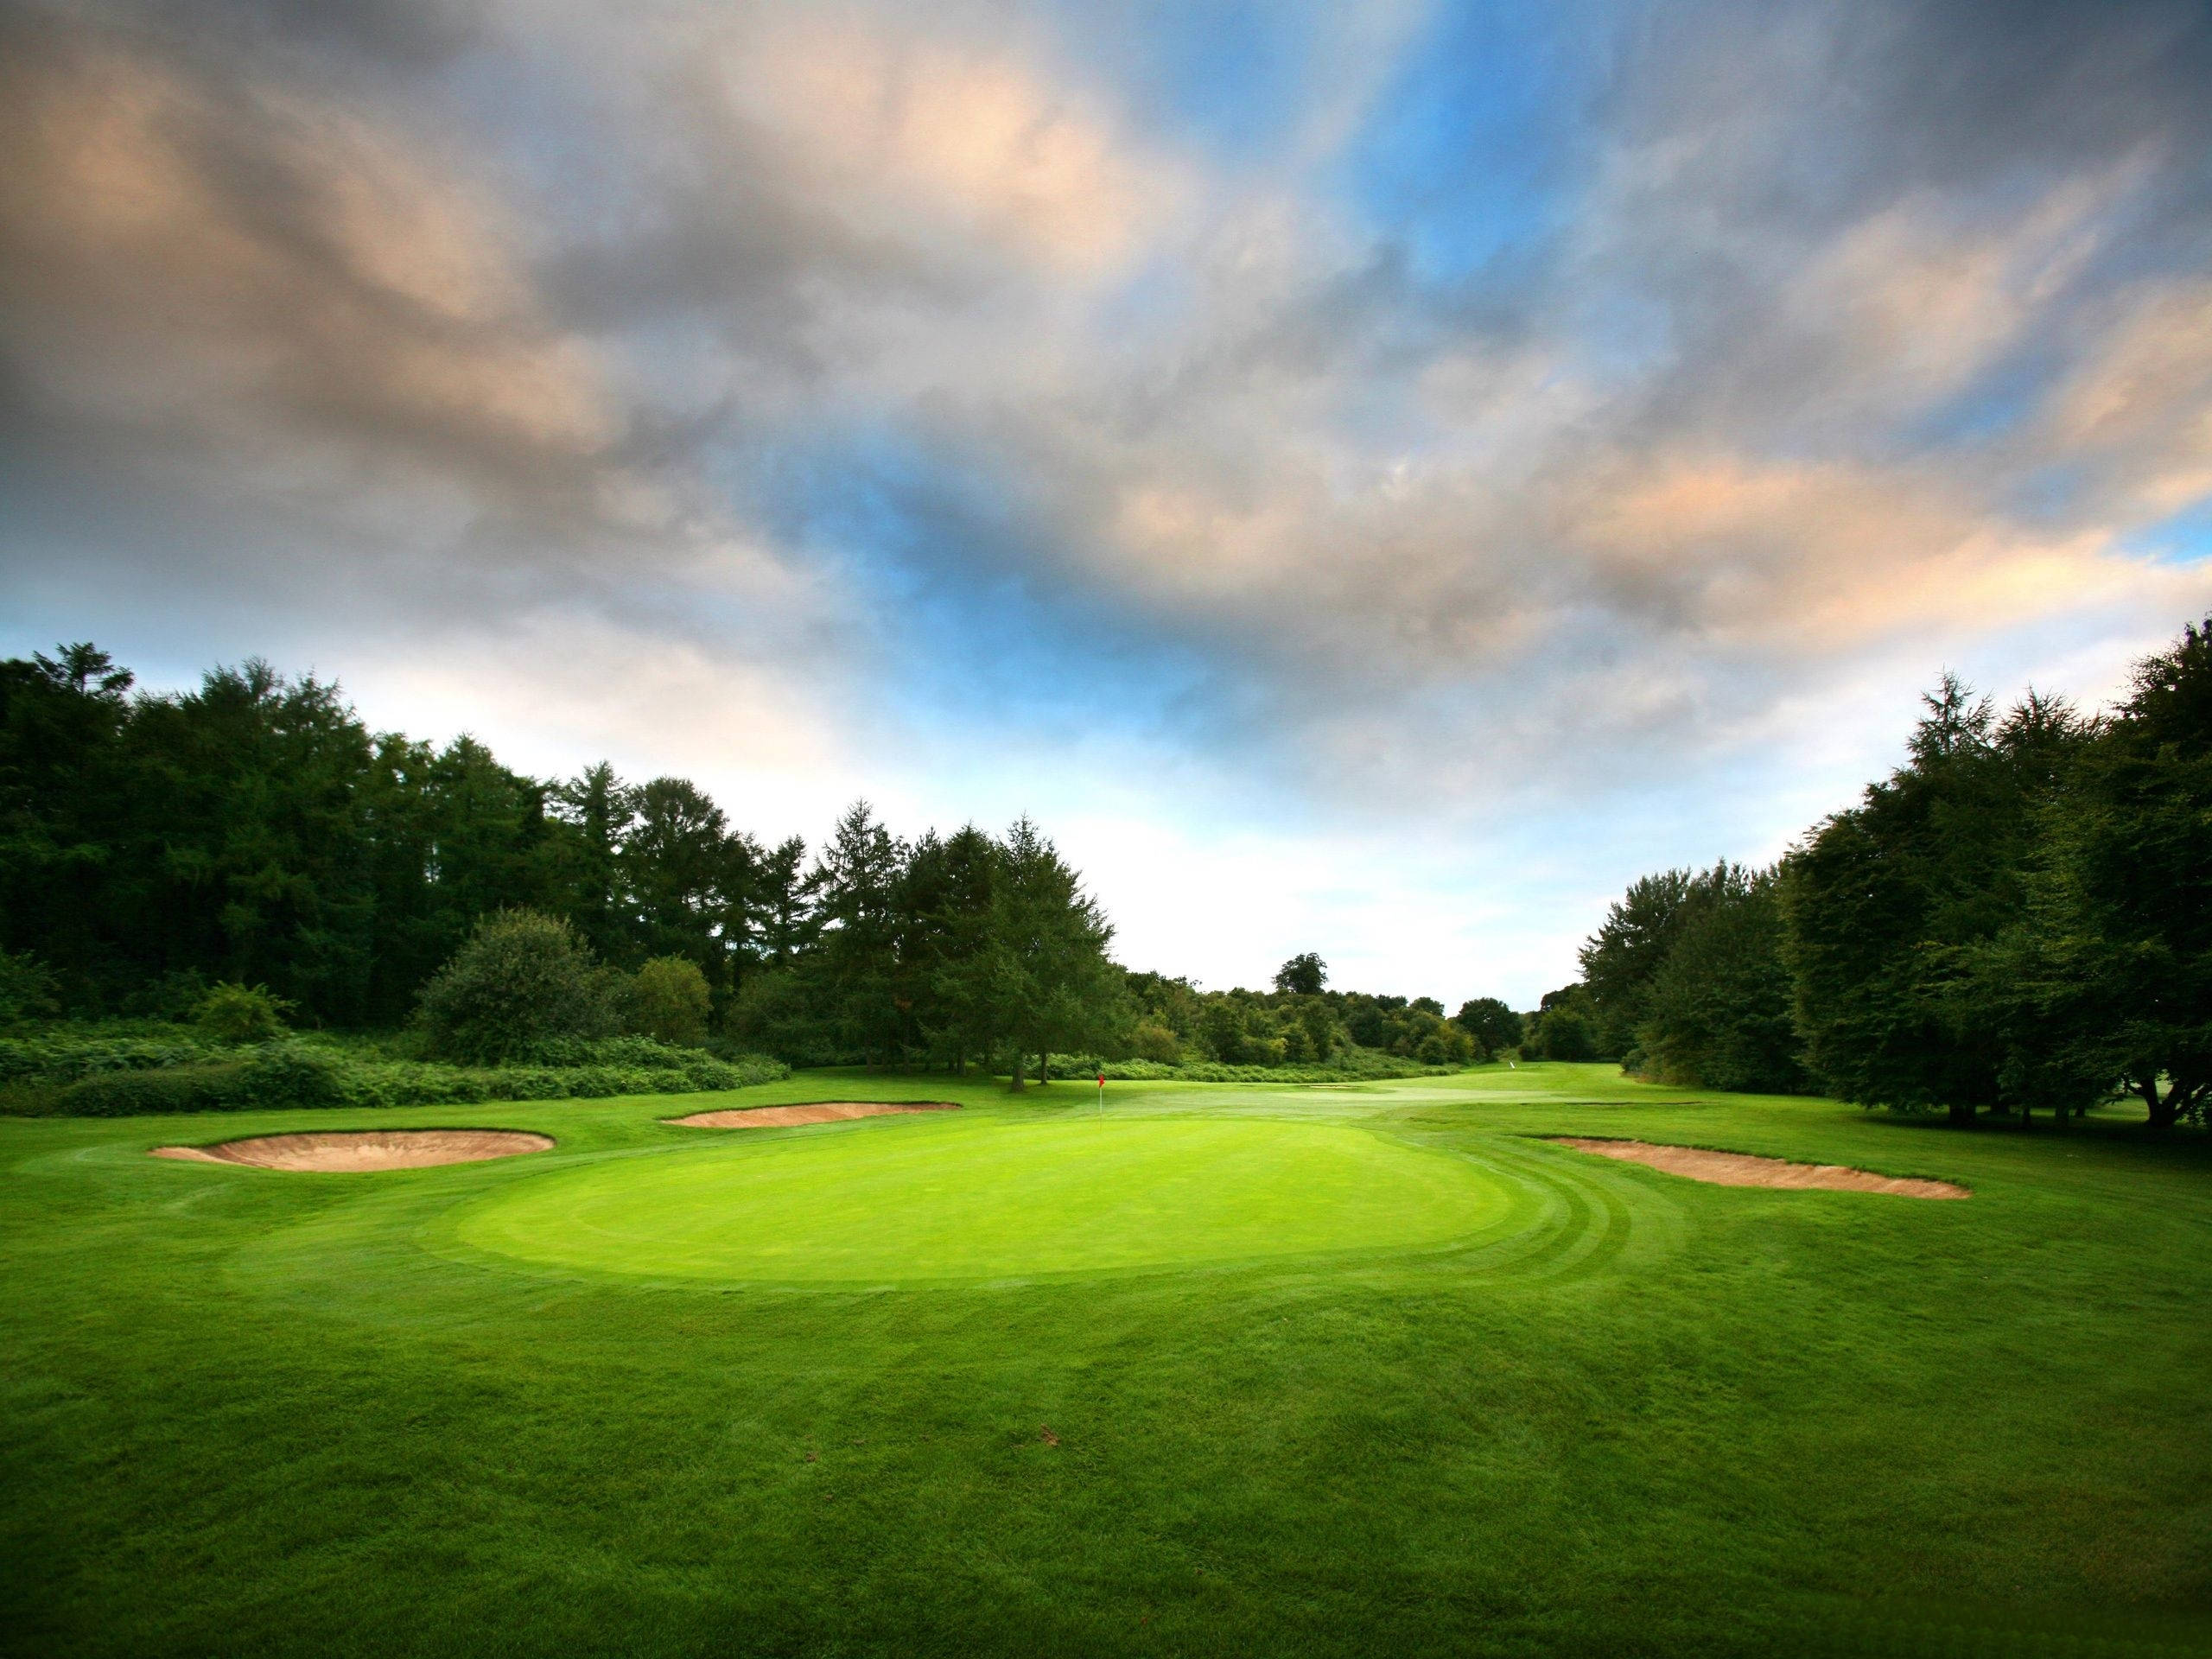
x,y
949,1198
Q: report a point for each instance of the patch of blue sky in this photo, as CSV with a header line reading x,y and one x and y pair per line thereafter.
x,y
1995,405
1233,76
1470,152
2050,492
984,621
2184,537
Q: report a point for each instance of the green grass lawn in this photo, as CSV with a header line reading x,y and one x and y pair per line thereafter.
x,y
1325,1371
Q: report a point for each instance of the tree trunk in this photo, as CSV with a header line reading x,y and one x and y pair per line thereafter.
x,y
1961,1116
2165,1112
1043,1068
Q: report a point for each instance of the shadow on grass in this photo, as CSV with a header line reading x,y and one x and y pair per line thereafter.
x,y
2184,1144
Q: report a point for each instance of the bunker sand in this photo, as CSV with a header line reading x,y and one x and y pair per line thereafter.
x,y
341,1150
820,1111
1743,1169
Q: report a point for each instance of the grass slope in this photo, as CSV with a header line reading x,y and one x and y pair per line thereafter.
x,y
1622,1413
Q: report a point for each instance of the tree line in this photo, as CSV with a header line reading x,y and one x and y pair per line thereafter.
x,y
254,831
2017,920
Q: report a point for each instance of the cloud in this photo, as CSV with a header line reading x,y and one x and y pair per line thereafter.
x,y
903,132
187,255
965,394
2139,404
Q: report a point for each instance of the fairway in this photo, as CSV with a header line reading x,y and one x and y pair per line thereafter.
x,y
948,1198
1217,1370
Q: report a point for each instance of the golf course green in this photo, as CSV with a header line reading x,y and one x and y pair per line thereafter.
x,y
1211,1369
905,1199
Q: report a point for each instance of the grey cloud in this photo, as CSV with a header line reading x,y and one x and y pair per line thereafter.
x,y
1626,489
186,252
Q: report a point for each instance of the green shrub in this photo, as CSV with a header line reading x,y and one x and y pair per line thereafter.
x,y
1156,1043
669,1000
63,1058
26,988
1565,1033
1355,1065
521,979
174,1089
639,1053
241,1013
294,1074
174,996
127,1077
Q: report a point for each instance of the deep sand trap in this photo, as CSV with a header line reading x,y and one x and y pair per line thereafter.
x,y
365,1149
820,1111
1743,1169
955,1197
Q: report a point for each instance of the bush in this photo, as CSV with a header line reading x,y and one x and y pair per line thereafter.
x,y
669,1000
635,1053
1347,1065
174,996
1562,1033
64,1058
174,1089
300,1074
294,1074
26,988
1156,1043
522,978
241,1013
1446,1045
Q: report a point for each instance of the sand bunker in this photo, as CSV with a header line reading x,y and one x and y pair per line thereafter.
x,y
1742,1169
820,1111
365,1149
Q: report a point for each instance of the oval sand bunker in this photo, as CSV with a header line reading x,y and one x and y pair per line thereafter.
x,y
365,1149
1743,1169
819,1111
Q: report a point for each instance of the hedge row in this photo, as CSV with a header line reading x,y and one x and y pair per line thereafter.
x,y
284,1075
65,1059
1366,1067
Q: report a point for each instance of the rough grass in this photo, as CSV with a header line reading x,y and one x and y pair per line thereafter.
x,y
256,1413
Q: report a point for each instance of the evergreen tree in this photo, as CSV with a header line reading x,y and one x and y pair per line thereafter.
x,y
1884,904
687,877
2108,981
1053,987
1622,958
594,810
1718,1012
852,976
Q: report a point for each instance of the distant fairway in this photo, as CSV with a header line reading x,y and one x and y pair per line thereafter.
x,y
1223,1370
914,1199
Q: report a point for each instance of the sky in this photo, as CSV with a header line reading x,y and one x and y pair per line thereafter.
x,y
1367,478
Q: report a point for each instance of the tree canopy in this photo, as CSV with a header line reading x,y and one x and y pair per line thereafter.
x,y
158,849
2017,919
